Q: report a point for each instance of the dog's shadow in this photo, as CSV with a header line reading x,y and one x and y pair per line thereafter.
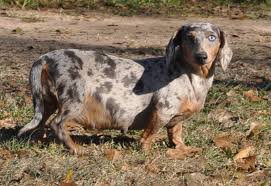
x,y
9,134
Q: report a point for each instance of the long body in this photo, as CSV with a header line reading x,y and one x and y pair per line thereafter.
x,y
123,87
101,91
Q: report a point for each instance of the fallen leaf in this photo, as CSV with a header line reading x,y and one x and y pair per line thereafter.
x,y
5,154
244,152
268,163
152,168
7,123
69,179
251,96
223,141
254,128
182,153
245,159
112,154
247,163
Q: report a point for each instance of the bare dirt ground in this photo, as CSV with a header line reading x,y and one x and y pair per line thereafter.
x,y
25,35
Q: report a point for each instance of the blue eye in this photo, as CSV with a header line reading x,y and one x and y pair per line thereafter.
x,y
211,38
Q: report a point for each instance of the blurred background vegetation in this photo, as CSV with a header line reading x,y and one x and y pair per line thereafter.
x,y
131,4
149,7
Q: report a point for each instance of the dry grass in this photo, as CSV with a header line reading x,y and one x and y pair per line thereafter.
x,y
227,111
27,162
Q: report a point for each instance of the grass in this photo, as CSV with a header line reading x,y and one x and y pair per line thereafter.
x,y
48,163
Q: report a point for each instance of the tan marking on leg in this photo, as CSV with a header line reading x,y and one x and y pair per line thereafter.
x,y
153,126
175,135
174,127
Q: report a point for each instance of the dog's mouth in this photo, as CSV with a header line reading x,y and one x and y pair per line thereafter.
x,y
202,61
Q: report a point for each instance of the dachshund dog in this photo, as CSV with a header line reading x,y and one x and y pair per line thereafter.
x,y
101,91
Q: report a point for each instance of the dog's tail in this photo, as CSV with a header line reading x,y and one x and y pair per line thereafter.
x,y
35,80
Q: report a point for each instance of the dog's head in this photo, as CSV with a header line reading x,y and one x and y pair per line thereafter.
x,y
199,45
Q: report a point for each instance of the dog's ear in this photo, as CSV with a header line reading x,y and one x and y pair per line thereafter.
x,y
173,43
225,52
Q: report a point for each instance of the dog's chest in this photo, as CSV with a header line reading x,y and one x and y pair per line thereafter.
x,y
183,96
200,87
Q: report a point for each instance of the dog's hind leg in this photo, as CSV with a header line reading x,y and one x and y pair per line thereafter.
x,y
59,124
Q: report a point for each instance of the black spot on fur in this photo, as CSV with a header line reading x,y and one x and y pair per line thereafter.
x,y
89,72
53,67
163,105
74,58
129,80
60,88
66,112
99,57
112,106
105,87
167,103
104,59
160,105
36,63
73,93
109,73
74,73
97,96
108,85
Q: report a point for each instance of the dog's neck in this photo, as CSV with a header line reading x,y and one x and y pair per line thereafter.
x,y
200,81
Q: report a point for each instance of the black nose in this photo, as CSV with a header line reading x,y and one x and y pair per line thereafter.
x,y
201,57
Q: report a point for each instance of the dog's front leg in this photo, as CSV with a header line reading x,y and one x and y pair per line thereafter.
x,y
174,131
175,135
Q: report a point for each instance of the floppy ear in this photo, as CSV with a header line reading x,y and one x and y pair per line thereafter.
x,y
225,53
174,41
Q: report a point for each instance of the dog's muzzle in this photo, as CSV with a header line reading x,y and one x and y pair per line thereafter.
x,y
201,58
